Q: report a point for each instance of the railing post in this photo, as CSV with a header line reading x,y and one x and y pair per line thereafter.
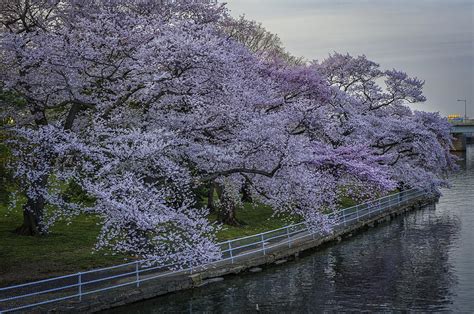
x,y
230,251
288,235
263,243
137,274
79,282
357,212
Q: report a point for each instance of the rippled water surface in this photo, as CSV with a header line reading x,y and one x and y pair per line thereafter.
x,y
421,261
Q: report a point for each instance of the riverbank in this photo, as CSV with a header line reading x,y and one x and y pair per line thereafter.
x,y
69,248
419,262
149,284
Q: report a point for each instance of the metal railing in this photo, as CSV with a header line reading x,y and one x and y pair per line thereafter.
x,y
82,284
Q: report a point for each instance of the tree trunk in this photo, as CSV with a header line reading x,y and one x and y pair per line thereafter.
x,y
32,214
246,195
227,211
210,198
33,210
227,216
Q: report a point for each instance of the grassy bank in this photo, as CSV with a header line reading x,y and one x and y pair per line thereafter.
x,y
69,248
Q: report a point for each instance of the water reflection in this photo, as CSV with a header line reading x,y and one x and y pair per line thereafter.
x,y
469,156
422,261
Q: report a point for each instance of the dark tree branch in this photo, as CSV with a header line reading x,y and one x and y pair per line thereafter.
x,y
242,171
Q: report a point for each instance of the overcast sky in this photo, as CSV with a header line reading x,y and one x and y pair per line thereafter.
x,y
430,39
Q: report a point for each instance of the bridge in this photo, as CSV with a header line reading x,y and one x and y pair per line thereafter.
x,y
463,132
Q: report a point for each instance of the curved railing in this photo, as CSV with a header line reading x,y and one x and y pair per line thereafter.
x,y
79,285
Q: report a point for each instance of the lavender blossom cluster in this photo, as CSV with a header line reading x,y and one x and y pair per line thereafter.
x,y
141,103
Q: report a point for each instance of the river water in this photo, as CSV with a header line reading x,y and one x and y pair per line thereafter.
x,y
422,261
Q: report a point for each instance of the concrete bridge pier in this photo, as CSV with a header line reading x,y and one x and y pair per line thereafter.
x,y
461,140
463,133
459,143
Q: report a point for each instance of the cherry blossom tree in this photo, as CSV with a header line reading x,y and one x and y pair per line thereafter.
x,y
89,82
414,145
141,103
258,39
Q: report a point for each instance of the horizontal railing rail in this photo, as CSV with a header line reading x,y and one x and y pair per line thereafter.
x,y
78,285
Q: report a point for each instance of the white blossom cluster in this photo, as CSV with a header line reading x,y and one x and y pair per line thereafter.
x,y
141,105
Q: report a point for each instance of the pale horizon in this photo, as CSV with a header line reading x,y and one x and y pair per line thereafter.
x,y
429,39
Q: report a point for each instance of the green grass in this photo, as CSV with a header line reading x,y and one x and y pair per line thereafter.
x,y
69,248
254,219
66,249
347,202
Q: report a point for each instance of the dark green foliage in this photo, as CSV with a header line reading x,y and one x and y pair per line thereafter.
x,y
11,99
6,179
74,193
7,100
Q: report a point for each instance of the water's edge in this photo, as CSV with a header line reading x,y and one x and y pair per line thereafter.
x,y
162,286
